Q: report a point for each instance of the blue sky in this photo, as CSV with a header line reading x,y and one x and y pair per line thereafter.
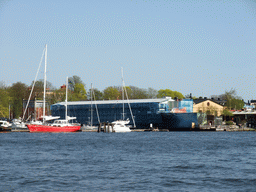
x,y
203,47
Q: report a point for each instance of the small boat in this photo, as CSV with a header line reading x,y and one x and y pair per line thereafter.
x,y
58,125
5,125
120,126
19,125
89,126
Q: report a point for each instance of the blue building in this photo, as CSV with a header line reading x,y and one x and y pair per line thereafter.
x,y
188,104
143,111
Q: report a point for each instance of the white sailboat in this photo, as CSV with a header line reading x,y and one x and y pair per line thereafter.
x,y
122,125
20,124
90,127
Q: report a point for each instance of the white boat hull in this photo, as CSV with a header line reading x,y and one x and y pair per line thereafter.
x,y
121,126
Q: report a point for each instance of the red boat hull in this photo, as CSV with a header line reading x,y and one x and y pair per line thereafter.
x,y
46,128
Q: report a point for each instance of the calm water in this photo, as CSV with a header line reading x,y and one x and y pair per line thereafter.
x,y
150,161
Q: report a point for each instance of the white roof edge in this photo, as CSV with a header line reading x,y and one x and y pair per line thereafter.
x,y
116,101
244,112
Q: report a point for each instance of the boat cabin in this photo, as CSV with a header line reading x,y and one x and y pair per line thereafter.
x,y
60,123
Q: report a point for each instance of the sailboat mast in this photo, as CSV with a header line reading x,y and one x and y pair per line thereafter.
x,y
45,60
91,105
122,90
24,113
66,110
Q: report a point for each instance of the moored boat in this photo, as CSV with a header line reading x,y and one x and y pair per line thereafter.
x,y
56,126
19,125
89,126
63,125
120,126
5,125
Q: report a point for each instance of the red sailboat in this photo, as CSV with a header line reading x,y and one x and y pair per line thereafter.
x,y
62,125
59,125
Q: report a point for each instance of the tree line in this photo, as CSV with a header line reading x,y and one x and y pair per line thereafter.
x,y
232,100
11,97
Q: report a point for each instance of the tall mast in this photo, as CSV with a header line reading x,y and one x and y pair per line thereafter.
x,y
66,110
123,90
91,105
24,112
45,60
96,106
10,110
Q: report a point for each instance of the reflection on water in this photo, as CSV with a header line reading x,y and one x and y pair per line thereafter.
x,y
182,161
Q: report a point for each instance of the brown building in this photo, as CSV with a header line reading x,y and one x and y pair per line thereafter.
x,y
34,109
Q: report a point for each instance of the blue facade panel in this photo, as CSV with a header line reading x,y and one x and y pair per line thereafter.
x,y
188,104
143,113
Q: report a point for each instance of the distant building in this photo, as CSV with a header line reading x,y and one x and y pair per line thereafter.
x,y
158,112
34,109
253,103
209,106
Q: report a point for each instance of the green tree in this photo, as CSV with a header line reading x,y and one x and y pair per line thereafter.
x,y
79,93
111,93
152,93
165,93
38,91
77,87
226,113
169,93
232,100
127,92
72,81
138,93
58,95
237,104
4,102
18,91
178,95
97,94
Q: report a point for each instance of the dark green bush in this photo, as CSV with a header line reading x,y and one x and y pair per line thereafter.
x,y
229,123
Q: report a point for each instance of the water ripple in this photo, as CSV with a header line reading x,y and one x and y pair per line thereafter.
x,y
164,161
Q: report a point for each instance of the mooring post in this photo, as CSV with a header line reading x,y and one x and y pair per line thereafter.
x,y
112,125
104,127
108,127
99,128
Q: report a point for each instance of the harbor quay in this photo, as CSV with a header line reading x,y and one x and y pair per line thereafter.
x,y
161,114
